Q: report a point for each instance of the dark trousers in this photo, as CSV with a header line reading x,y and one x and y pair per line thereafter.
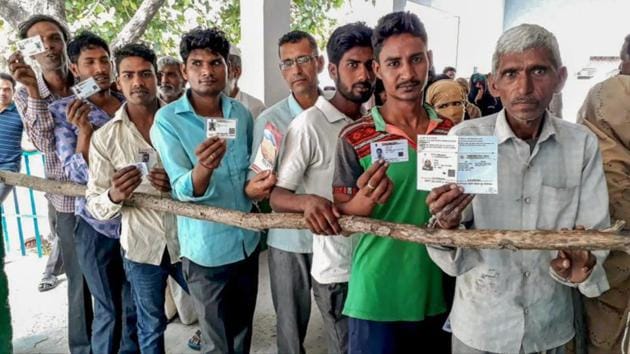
x,y
224,298
114,324
148,284
80,313
330,299
290,279
378,337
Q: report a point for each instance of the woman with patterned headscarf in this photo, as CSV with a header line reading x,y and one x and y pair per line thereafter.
x,y
448,99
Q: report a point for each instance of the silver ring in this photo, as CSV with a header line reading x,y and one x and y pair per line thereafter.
x,y
212,156
370,186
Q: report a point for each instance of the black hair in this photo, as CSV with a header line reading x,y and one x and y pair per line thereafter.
x,y
296,36
26,25
347,37
135,50
378,88
7,77
85,40
447,69
212,39
394,24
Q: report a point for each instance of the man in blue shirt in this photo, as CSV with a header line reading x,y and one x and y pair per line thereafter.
x,y
10,132
290,251
96,242
220,262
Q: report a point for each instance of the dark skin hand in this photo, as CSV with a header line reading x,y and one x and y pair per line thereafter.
x,y
124,182
159,179
374,188
447,203
259,187
574,265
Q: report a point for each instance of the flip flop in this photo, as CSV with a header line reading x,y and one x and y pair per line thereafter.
x,y
47,283
194,342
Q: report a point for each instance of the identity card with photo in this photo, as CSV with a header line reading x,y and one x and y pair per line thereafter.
x,y
220,127
31,46
390,151
469,161
147,156
86,88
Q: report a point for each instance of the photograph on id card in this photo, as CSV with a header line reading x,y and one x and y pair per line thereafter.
x,y
86,88
221,128
148,156
390,151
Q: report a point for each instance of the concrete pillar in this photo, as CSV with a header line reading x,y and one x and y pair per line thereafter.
x,y
263,22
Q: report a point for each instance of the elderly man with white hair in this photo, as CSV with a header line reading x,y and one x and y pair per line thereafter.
x,y
235,70
550,177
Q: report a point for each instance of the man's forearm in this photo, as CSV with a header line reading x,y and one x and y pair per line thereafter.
x,y
286,201
201,180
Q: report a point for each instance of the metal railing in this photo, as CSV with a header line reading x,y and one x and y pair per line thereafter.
x,y
27,157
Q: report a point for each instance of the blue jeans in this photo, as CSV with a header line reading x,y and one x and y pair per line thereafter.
x,y
148,282
114,324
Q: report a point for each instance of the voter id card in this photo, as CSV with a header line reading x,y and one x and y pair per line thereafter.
x,y
390,151
31,46
86,88
148,156
222,128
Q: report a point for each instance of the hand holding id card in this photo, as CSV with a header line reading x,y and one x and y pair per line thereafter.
x,y
390,151
221,128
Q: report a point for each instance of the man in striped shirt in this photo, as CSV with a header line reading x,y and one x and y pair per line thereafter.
x,y
38,90
10,132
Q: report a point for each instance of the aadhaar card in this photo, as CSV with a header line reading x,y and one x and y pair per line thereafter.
x,y
31,46
390,151
222,128
85,88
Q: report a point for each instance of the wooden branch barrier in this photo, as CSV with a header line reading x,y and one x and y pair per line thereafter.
x,y
489,239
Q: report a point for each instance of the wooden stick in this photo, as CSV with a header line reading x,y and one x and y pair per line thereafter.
x,y
487,239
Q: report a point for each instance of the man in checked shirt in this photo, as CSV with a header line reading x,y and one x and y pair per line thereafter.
x,y
52,82
550,177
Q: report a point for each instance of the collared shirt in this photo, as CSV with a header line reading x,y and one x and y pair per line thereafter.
x,y
145,233
392,280
254,105
10,139
508,301
309,161
176,133
40,127
281,115
74,165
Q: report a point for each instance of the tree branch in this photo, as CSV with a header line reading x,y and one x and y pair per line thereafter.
x,y
488,239
134,29
13,12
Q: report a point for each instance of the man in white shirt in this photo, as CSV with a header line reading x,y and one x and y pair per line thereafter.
x,y
235,70
308,161
119,153
550,177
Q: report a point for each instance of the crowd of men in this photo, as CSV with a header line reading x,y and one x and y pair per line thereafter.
x,y
375,294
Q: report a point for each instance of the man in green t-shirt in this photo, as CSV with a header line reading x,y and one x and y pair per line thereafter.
x,y
395,298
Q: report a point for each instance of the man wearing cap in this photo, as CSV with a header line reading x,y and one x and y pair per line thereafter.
x,y
254,105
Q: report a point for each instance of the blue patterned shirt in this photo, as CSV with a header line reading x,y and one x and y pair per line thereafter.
x,y
74,165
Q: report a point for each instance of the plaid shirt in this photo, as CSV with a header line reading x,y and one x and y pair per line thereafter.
x,y
75,168
40,126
